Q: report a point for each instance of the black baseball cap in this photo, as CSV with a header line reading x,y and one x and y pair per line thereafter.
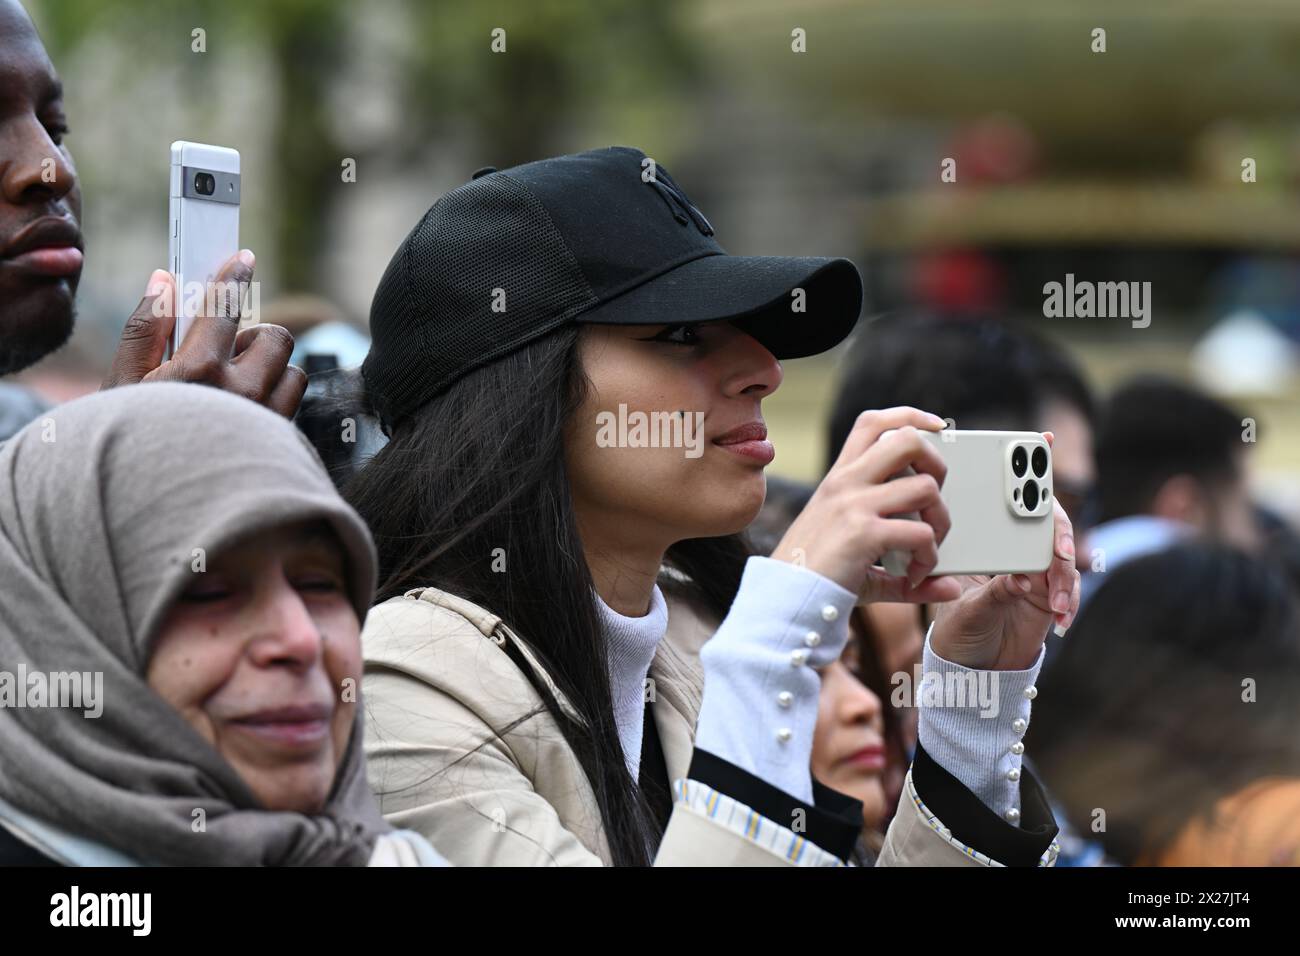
x,y
601,237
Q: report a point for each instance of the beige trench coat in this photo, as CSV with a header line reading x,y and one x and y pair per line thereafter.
x,y
460,748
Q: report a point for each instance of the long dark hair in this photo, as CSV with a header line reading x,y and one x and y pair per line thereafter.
x,y
477,476
1145,712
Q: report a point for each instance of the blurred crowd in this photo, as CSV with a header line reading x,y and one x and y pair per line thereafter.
x,y
504,719
1153,731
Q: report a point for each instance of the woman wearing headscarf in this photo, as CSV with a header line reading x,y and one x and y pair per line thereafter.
x,y
179,642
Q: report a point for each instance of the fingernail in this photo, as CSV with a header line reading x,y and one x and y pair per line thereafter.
x,y
157,282
1067,546
1060,630
1022,583
1061,602
936,420
247,258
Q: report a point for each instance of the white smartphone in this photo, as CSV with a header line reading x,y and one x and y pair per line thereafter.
x,y
999,496
204,227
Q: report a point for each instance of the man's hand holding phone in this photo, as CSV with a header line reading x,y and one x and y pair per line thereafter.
x,y
253,363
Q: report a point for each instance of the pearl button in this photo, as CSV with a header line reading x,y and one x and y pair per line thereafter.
x,y
1031,692
783,734
812,638
1018,725
830,612
1012,815
785,698
798,657
1017,748
1013,774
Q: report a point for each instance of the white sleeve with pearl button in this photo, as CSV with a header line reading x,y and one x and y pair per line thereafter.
x,y
971,723
760,683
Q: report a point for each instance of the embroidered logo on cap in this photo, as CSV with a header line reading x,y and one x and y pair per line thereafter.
x,y
678,203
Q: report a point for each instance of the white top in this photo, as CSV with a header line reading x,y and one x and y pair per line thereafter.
x,y
630,643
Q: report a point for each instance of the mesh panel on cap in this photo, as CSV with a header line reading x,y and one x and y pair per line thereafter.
x,y
432,321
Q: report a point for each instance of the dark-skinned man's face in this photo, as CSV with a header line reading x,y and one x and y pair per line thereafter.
x,y
40,201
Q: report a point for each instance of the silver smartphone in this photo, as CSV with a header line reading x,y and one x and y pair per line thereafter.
x,y
204,227
999,496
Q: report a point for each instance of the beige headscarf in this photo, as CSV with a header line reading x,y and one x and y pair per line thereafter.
x,y
103,502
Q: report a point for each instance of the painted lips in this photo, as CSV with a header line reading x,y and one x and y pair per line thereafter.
x,y
748,441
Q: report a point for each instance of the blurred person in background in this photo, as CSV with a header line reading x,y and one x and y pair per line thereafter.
x,y
222,687
857,745
970,370
961,370
1279,543
1067,407
861,744
344,435
987,374
323,338
1171,463
41,256
980,373
983,374
1167,727
330,349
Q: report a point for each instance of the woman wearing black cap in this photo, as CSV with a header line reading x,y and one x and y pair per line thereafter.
x,y
571,372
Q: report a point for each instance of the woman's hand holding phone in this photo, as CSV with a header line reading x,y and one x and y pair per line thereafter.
x,y
846,526
996,622
1001,622
253,363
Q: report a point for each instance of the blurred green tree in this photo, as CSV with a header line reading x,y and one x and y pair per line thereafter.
x,y
569,65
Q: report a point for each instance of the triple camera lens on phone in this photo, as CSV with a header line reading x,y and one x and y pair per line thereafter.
x,y
1027,493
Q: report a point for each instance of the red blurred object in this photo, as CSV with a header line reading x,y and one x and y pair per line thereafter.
x,y
994,149
964,282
